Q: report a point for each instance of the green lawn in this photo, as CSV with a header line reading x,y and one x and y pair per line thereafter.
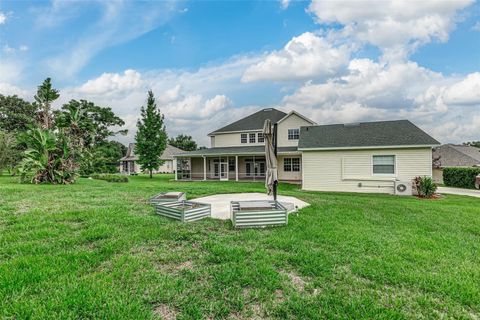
x,y
97,250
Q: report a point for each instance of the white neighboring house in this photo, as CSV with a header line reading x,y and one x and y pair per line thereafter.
x,y
128,164
359,157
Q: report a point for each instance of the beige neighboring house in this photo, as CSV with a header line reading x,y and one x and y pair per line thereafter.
x,y
128,164
453,155
359,157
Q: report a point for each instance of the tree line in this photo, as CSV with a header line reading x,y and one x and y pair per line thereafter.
x,y
42,145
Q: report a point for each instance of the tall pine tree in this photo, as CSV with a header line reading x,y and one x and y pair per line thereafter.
x,y
151,137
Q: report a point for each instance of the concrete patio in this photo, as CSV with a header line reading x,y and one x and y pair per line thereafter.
x,y
221,202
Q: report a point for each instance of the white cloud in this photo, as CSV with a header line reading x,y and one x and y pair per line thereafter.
x,y
111,84
9,90
3,17
476,27
398,27
284,4
23,48
304,57
119,22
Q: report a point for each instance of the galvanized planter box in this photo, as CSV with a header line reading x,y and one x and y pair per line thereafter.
x,y
165,197
185,211
258,217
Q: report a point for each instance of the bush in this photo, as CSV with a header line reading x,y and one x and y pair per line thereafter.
x,y
460,177
110,177
425,186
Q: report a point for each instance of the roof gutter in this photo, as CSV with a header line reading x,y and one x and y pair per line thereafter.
x,y
371,147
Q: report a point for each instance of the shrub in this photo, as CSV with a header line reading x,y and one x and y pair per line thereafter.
x,y
425,186
110,177
460,177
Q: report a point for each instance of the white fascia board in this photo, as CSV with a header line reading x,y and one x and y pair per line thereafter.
x,y
298,114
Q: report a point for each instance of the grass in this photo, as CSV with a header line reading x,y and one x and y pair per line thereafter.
x,y
97,250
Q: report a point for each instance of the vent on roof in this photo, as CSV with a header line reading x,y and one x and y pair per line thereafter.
x,y
268,109
352,125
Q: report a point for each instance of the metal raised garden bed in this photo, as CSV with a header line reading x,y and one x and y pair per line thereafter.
x,y
165,197
258,214
185,211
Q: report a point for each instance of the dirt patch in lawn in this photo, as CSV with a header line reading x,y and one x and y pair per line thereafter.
x,y
297,282
165,312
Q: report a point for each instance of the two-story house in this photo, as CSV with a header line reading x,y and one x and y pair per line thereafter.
x,y
359,157
238,150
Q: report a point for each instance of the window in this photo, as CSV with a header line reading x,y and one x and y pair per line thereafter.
x,y
291,164
293,134
260,137
252,137
243,138
383,164
231,164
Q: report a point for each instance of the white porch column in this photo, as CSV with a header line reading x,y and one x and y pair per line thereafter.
x,y
254,168
236,168
190,167
204,168
175,168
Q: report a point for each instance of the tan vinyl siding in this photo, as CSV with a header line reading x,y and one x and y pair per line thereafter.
x,y
344,170
233,140
166,167
292,122
289,175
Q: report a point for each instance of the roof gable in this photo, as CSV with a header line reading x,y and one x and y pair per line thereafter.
x,y
167,154
293,112
363,135
451,155
254,121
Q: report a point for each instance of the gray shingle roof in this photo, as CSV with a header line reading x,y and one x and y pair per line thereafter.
x,y
365,134
167,154
452,155
244,150
254,121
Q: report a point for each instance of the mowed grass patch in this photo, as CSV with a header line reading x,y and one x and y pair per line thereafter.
x,y
97,250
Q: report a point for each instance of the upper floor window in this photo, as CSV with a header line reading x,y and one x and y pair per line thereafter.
x,y
384,164
291,164
293,134
260,137
243,138
252,137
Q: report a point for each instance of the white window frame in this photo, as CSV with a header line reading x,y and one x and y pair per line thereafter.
x,y
293,134
242,136
250,135
260,134
394,174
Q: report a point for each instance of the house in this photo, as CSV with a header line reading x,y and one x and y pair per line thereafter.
x,y
359,157
453,155
128,163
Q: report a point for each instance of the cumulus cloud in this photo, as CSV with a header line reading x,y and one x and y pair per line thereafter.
x,y
396,26
111,84
304,57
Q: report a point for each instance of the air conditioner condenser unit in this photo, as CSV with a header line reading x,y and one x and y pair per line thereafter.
x,y
403,188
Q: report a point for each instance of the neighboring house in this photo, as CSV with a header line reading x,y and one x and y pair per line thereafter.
x,y
452,155
128,164
361,157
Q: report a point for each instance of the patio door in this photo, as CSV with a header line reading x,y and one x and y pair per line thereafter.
x,y
223,170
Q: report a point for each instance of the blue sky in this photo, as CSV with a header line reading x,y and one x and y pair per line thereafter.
x,y
214,61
